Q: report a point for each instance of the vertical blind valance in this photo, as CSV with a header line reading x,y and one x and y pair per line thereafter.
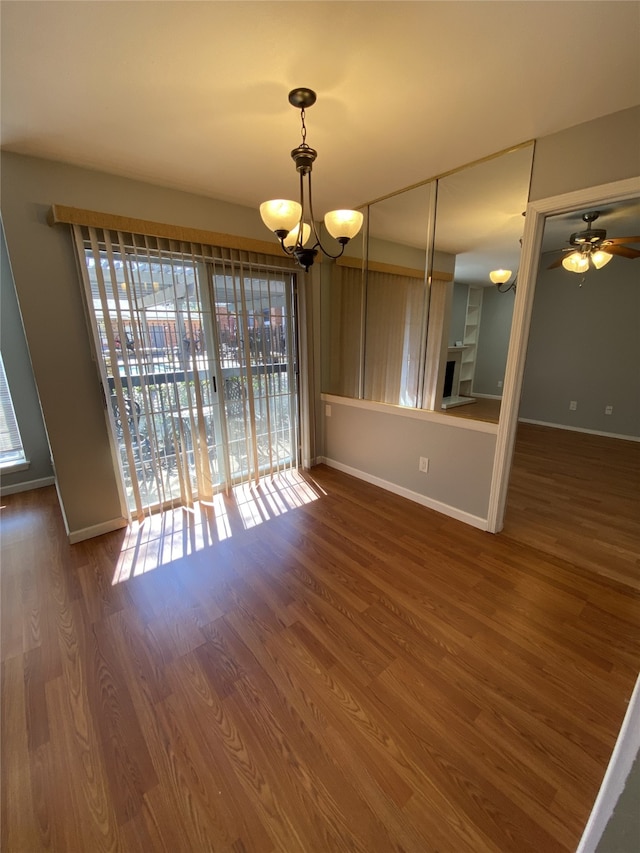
x,y
63,214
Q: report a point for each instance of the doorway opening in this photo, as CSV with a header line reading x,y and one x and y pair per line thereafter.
x,y
591,512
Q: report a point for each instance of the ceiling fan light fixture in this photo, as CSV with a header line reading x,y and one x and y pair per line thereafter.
x,y
576,262
600,258
594,248
293,222
500,276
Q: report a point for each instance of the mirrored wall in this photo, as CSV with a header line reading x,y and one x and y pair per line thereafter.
x,y
397,297
410,316
342,306
479,221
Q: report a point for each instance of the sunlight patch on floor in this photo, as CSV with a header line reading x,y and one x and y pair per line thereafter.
x,y
272,497
164,537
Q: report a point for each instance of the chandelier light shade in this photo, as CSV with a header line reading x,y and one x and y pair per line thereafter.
x,y
292,237
279,214
293,222
501,280
500,276
343,224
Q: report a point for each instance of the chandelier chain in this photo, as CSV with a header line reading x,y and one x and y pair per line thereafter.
x,y
304,127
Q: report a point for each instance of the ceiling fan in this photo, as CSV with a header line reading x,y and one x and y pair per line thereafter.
x,y
591,246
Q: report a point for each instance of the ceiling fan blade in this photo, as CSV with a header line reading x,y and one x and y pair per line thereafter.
x,y
616,241
555,264
622,251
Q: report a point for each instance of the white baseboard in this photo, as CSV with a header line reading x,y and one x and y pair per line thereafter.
x,y
96,530
580,429
486,396
622,758
27,486
438,506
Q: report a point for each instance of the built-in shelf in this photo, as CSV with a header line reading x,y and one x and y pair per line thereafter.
x,y
470,340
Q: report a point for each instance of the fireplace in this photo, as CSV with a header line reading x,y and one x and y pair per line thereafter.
x,y
451,391
449,371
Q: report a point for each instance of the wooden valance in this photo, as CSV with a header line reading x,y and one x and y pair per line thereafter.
x,y
61,214
392,269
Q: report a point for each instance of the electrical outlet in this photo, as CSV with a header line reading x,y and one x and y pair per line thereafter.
x,y
327,411
573,405
499,383
608,410
424,465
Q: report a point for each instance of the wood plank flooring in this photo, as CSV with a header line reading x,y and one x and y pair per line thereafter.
x,y
352,672
484,409
577,496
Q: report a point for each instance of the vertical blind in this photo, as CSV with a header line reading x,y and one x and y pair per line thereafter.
x,y
11,450
197,351
393,339
344,310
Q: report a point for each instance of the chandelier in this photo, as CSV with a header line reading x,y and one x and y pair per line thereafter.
x,y
500,278
293,222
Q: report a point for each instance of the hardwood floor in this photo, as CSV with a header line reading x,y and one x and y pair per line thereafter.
x,y
327,668
484,409
577,496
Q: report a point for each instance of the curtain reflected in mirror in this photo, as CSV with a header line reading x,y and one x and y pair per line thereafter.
x,y
342,307
397,297
394,324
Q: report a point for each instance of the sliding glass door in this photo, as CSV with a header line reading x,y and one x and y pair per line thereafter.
x,y
255,331
196,349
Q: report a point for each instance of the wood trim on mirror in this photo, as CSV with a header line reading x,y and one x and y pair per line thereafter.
x,y
392,269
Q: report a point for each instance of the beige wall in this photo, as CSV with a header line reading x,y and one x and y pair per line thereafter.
x,y
587,155
50,299
385,443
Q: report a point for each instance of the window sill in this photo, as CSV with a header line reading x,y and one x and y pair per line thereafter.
x,y
13,467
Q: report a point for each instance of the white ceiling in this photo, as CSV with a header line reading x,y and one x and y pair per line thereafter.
x,y
193,95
